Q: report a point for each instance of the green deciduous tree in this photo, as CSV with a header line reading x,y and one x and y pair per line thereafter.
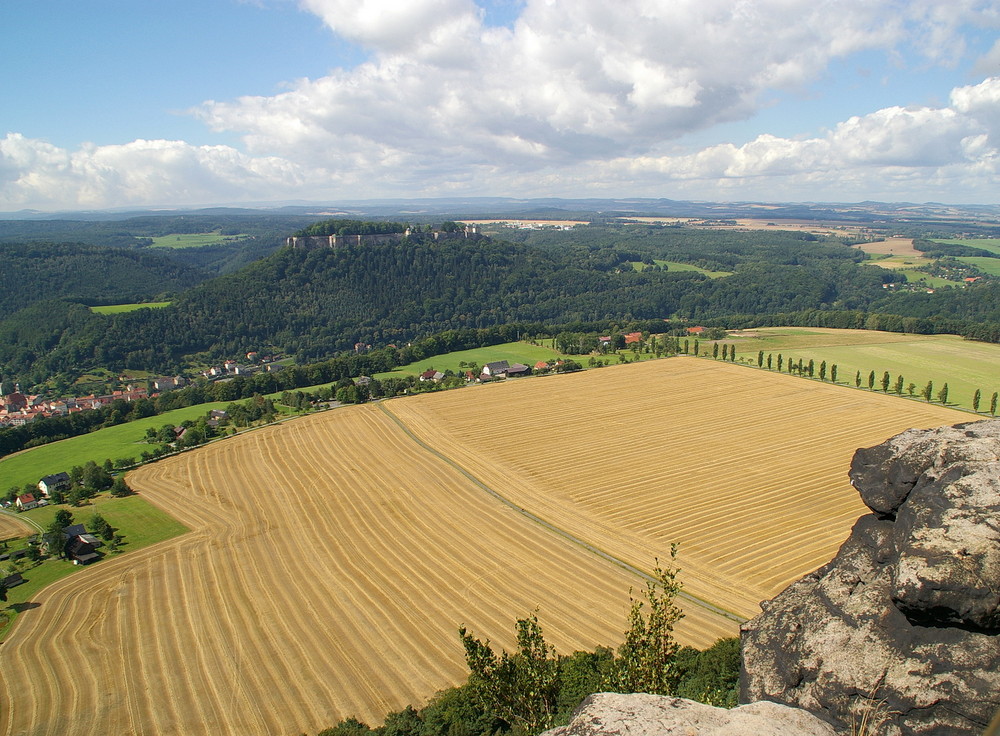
x,y
822,371
928,391
833,373
645,662
521,688
760,358
976,398
871,381
715,350
780,359
857,379
885,382
993,404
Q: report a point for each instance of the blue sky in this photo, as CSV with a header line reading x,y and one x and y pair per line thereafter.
x,y
115,103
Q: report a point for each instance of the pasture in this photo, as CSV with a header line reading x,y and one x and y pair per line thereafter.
x,y
964,365
120,308
114,443
332,558
990,244
989,265
193,240
680,267
512,352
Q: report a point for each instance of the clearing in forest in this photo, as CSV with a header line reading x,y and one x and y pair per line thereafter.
x,y
332,559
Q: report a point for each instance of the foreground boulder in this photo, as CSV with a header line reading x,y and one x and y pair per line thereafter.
x,y
902,627
611,714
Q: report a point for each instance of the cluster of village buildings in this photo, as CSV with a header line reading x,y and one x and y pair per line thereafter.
x,y
17,409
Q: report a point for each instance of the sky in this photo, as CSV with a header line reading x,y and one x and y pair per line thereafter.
x,y
110,104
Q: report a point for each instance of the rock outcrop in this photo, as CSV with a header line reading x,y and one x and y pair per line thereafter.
x,y
904,623
611,714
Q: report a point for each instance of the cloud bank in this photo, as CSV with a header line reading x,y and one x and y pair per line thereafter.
x,y
578,97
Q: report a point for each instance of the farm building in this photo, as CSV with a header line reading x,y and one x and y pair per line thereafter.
x,y
496,368
26,501
54,482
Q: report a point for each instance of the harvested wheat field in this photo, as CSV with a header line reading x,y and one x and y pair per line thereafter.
x,y
330,563
11,527
331,559
746,469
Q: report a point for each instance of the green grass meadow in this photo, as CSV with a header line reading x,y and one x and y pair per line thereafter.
x,y
122,441
119,308
678,266
990,244
193,240
989,265
964,365
512,352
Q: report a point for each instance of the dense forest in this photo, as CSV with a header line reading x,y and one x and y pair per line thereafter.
x,y
313,304
34,272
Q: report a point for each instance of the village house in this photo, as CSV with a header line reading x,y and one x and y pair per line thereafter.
x,y
496,369
54,482
517,370
633,338
26,502
432,375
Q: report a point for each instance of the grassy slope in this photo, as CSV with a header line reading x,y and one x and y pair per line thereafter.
x,y
965,365
512,352
139,522
990,244
122,441
678,266
119,308
989,265
192,240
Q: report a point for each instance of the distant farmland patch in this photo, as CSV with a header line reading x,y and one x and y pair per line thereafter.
x,y
678,266
964,365
194,240
989,265
990,244
332,558
119,308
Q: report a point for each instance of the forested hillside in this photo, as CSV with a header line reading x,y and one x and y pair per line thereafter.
x,y
34,272
315,303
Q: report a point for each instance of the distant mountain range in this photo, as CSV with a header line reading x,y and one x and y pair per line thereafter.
x,y
482,207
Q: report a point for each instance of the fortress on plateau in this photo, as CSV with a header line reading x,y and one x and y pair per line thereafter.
x,y
413,235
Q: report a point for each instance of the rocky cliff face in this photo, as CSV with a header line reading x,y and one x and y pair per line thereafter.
x,y
904,623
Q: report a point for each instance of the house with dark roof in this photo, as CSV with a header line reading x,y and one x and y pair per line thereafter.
x,y
496,369
81,552
517,370
54,482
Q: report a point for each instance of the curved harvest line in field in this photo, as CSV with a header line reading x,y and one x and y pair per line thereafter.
x,y
331,559
329,564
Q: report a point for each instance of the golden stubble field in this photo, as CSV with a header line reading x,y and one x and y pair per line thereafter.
x,y
331,559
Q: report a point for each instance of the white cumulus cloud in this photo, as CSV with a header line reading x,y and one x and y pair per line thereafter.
x,y
575,96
